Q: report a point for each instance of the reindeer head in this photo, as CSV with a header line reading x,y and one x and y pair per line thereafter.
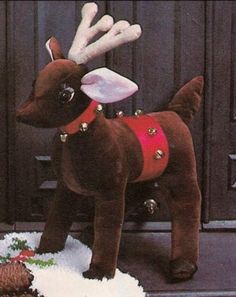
x,y
64,88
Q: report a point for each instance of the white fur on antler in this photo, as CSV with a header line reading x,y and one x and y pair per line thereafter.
x,y
119,33
84,32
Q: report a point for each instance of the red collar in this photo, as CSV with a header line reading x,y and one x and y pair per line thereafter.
x,y
85,117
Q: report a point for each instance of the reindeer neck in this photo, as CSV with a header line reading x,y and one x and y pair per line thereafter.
x,y
82,122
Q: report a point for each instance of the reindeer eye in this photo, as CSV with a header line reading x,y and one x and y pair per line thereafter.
x,y
66,94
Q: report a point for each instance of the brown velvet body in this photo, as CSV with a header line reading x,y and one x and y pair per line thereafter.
x,y
103,160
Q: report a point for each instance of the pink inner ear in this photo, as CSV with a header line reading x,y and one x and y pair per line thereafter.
x,y
106,86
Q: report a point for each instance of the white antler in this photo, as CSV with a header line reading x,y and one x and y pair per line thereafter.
x,y
119,33
84,32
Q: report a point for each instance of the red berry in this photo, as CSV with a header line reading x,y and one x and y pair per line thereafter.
x,y
19,258
23,256
27,253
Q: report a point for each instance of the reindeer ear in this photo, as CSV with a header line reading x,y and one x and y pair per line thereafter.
x,y
54,49
106,86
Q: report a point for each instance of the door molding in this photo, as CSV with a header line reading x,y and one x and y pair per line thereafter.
x,y
4,140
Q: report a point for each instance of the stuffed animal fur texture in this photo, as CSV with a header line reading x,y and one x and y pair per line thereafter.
x,y
96,156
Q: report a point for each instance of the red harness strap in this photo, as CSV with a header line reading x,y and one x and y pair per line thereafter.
x,y
154,145
151,137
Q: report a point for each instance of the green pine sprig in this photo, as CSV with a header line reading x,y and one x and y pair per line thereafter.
x,y
5,259
18,244
41,263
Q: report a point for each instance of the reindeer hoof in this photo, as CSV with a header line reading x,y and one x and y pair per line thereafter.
x,y
181,270
92,274
96,273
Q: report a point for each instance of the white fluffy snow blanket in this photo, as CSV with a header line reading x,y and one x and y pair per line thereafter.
x,y
64,277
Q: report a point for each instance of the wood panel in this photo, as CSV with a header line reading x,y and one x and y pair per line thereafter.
x,y
121,59
3,112
232,172
48,23
220,123
24,59
154,66
189,61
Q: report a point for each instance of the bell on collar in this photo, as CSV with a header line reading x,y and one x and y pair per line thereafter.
x,y
120,114
152,131
83,127
63,137
99,108
138,112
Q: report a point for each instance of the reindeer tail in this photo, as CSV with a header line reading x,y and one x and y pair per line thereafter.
x,y
188,99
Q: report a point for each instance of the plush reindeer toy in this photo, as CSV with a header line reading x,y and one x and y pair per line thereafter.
x,y
99,157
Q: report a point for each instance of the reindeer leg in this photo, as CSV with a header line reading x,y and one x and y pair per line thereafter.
x,y
109,215
60,218
134,197
184,203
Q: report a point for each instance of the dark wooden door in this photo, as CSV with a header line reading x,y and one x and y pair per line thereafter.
x,y
220,111
3,113
180,40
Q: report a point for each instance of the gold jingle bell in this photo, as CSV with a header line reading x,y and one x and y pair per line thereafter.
x,y
99,108
138,112
159,154
120,114
152,131
83,127
63,137
151,206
